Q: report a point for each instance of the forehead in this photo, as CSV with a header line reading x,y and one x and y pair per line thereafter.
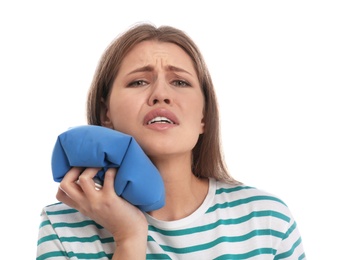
x,y
156,53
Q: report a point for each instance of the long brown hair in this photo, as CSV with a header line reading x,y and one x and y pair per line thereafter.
x,y
207,155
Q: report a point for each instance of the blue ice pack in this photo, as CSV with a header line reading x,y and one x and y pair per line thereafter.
x,y
137,180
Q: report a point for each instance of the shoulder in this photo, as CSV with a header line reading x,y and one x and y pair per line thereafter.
x,y
65,220
244,193
63,231
61,215
248,199
241,190
58,209
260,213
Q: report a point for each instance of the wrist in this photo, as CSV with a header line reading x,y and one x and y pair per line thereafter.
x,y
133,247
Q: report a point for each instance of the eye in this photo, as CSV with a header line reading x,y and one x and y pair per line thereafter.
x,y
137,83
181,83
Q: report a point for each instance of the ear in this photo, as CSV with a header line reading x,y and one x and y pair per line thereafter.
x,y
202,126
105,117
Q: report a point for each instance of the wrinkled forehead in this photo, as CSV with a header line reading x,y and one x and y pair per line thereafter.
x,y
158,55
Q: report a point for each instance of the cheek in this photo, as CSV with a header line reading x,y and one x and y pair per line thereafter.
x,y
123,112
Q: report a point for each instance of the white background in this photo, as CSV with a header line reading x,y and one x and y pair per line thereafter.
x,y
275,66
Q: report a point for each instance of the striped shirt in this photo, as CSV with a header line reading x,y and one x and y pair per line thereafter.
x,y
233,222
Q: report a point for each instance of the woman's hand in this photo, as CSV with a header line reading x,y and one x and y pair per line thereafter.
x,y
126,222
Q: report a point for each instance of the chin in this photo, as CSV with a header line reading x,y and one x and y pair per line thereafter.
x,y
165,146
163,152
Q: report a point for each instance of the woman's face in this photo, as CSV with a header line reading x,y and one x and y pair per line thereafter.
x,y
156,98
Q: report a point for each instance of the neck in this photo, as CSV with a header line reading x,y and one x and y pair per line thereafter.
x,y
184,191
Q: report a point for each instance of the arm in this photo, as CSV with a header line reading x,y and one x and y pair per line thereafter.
x,y
133,248
125,222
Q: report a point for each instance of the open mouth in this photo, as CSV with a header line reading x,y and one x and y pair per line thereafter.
x,y
161,116
160,120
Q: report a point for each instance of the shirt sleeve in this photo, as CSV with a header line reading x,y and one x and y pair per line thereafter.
x,y
291,246
49,244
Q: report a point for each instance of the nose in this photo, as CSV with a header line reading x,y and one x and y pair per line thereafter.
x,y
160,94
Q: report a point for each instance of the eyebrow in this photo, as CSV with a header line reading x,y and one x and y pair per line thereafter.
x,y
149,68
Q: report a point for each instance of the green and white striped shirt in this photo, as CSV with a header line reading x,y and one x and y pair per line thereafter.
x,y
234,222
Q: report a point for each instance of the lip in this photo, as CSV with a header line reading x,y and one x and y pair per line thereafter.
x,y
162,112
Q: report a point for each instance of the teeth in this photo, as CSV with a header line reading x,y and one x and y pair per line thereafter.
x,y
160,119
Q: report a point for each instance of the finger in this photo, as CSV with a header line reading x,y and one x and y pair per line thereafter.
x,y
68,183
86,180
73,174
63,197
109,180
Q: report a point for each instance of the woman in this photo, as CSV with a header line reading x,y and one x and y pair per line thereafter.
x,y
153,84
